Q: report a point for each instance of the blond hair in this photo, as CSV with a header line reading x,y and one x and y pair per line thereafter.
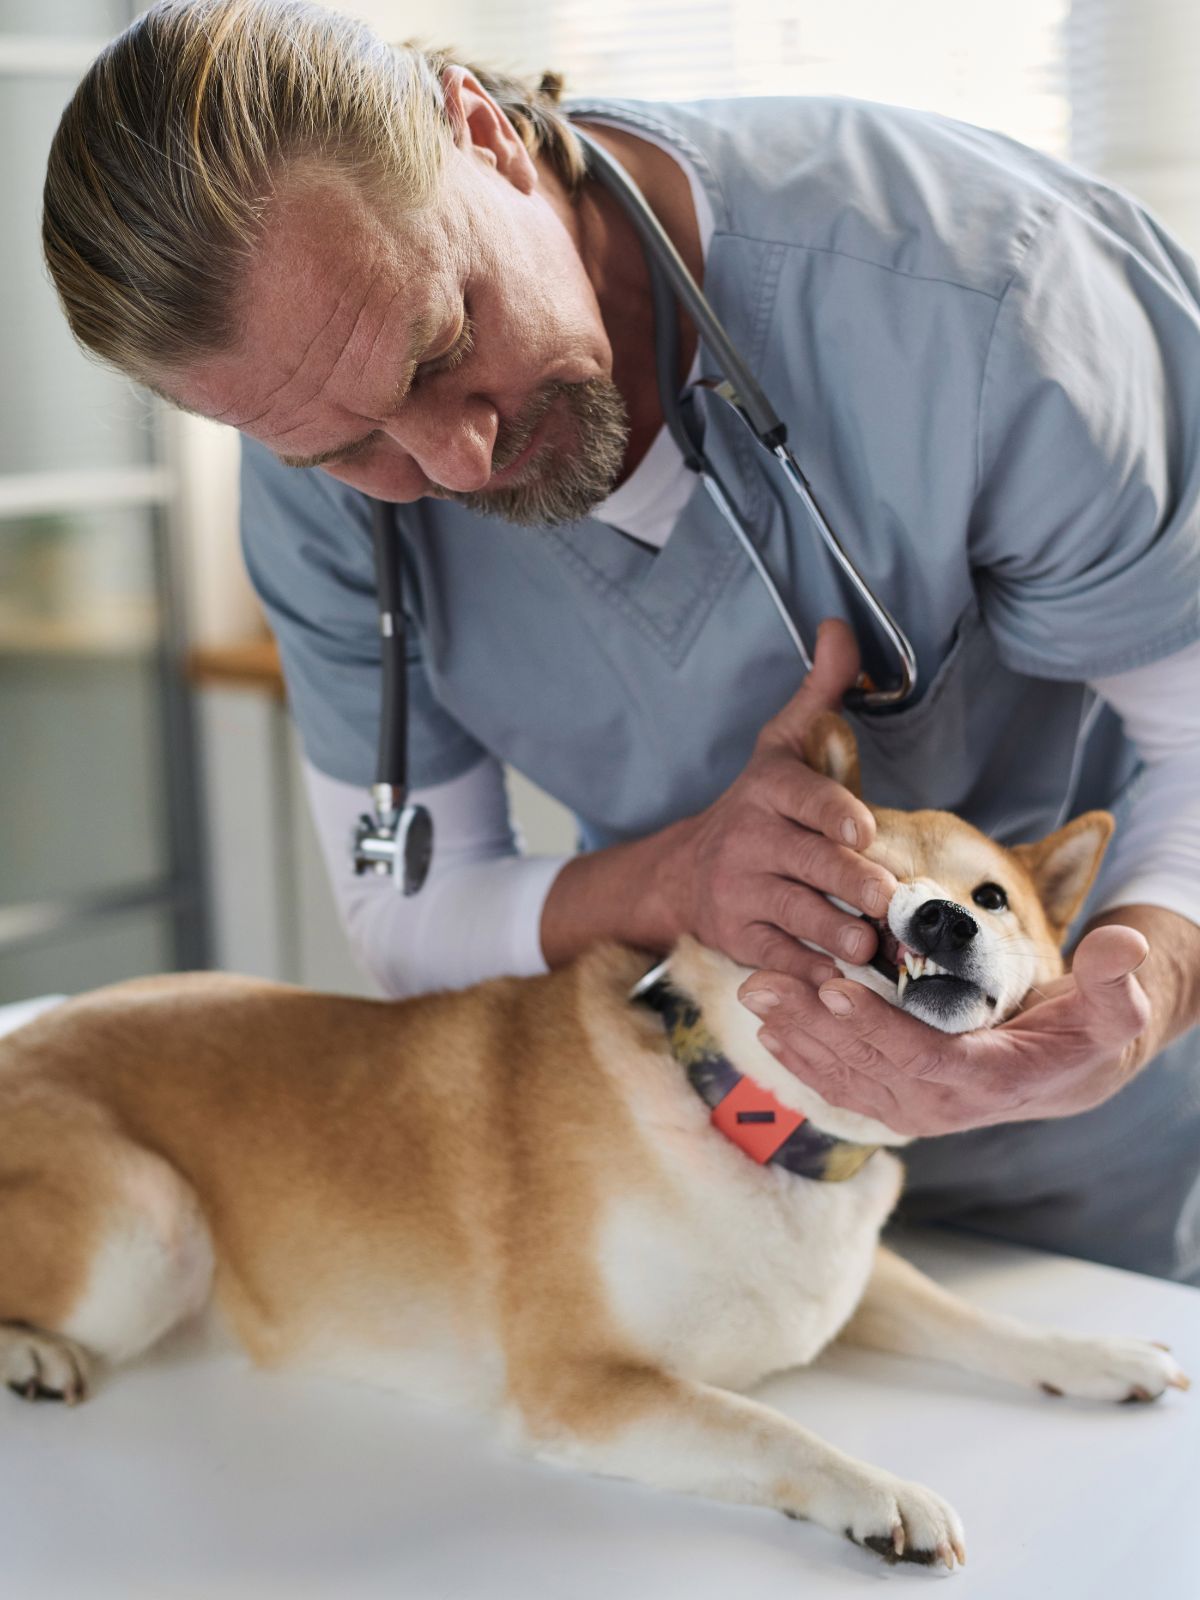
x,y
164,163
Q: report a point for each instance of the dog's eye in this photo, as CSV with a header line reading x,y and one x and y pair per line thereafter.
x,y
991,897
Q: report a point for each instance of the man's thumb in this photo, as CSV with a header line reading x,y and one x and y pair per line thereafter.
x,y
834,670
1103,968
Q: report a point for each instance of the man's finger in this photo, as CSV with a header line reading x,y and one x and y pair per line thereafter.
x,y
896,1040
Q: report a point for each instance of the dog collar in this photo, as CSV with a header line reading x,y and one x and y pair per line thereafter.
x,y
768,1131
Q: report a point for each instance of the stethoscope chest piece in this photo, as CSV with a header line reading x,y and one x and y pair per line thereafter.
x,y
396,842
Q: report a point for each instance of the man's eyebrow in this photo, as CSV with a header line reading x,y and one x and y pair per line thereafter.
x,y
419,344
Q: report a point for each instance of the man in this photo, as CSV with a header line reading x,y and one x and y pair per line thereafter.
x,y
394,276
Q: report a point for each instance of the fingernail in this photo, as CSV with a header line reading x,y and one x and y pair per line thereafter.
x,y
824,974
854,944
877,897
850,832
760,1000
769,1041
834,1000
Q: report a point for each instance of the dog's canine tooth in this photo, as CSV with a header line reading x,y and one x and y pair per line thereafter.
x,y
902,983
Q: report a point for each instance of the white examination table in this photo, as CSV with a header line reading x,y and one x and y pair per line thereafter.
x,y
192,1477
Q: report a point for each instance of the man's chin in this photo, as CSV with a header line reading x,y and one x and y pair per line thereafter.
x,y
538,504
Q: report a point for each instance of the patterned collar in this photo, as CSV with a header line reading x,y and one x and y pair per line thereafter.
x,y
768,1131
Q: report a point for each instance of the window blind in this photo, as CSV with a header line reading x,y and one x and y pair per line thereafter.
x,y
994,62
1135,114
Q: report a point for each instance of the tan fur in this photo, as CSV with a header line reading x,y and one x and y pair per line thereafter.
x,y
508,1196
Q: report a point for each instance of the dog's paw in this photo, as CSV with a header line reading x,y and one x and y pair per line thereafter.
x,y
43,1366
1108,1369
898,1520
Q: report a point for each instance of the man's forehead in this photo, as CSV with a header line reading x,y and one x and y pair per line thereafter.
x,y
326,252
318,226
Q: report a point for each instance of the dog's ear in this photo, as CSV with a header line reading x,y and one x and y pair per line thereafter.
x,y
831,748
1064,864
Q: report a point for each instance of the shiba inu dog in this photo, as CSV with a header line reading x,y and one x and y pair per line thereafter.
x,y
603,1217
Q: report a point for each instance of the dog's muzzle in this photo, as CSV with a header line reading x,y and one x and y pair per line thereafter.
x,y
927,963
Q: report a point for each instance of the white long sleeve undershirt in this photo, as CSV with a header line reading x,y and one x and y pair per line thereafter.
x,y
479,914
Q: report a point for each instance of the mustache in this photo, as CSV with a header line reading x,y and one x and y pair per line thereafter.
x,y
514,436
567,482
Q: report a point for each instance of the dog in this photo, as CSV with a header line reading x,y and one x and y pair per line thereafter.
x,y
516,1197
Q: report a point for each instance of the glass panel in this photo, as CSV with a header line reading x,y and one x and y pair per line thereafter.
x,y
58,409
87,19
80,705
105,951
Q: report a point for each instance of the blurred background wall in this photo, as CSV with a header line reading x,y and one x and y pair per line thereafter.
x,y
150,812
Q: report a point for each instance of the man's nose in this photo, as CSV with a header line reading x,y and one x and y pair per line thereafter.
x,y
452,445
940,928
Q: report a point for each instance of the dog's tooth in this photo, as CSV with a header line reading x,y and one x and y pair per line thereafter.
x,y
902,983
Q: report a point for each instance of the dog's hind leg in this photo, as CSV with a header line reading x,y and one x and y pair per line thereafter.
x,y
634,1421
103,1247
902,1310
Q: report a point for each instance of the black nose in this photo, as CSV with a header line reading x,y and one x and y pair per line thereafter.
x,y
940,928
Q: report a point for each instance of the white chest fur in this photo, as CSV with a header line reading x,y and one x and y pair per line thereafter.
x,y
731,1270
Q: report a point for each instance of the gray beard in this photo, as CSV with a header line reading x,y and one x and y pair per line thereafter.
x,y
564,484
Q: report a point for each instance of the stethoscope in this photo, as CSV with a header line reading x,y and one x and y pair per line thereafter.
x,y
398,838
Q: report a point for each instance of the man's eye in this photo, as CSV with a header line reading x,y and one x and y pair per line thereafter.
x,y
454,357
991,897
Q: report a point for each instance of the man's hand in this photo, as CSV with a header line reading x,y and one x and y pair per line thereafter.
x,y
1063,1054
749,875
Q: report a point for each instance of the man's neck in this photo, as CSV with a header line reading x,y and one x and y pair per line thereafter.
x,y
612,255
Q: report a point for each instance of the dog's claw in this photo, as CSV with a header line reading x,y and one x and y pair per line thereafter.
x,y
897,1549
1138,1394
31,1389
879,1543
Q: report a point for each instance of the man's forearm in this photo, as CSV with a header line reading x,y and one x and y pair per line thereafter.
x,y
616,893
1170,975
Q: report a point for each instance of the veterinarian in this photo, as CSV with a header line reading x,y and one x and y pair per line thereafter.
x,y
389,272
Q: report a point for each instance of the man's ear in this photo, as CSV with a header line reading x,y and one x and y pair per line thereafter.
x,y
478,124
831,748
1064,864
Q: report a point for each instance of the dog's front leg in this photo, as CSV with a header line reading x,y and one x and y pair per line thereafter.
x,y
637,1422
904,1311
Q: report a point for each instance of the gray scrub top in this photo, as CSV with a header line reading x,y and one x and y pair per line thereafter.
x,y
989,365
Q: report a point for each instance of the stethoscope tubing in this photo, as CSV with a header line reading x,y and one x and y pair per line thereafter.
x,y
740,390
669,276
391,765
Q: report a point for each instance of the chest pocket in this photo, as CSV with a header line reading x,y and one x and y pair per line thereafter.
x,y
983,741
